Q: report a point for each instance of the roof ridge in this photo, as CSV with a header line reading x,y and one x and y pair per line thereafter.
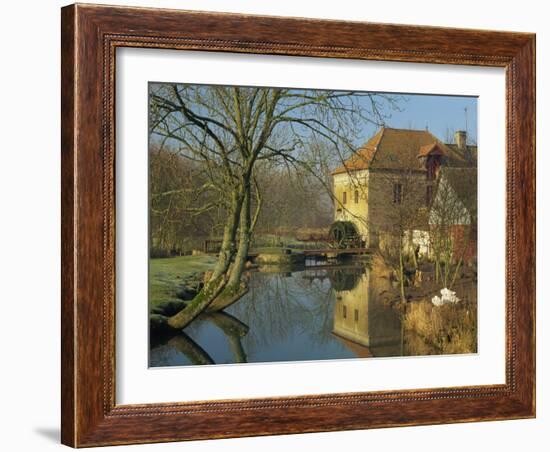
x,y
452,151
408,130
396,148
377,146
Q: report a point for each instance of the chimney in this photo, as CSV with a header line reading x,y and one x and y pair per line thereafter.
x,y
460,139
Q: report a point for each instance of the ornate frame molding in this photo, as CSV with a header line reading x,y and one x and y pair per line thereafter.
x,y
90,37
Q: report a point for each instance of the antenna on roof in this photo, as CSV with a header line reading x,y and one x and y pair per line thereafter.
x,y
466,118
426,126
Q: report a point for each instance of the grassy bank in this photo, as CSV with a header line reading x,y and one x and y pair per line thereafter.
x,y
166,276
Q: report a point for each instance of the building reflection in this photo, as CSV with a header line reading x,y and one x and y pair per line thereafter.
x,y
363,320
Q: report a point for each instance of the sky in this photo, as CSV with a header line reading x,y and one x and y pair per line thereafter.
x,y
438,113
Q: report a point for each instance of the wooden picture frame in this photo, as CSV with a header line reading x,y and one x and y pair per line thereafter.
x,y
90,36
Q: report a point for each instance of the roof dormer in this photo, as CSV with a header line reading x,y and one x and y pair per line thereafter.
x,y
431,156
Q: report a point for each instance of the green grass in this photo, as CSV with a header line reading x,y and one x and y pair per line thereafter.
x,y
167,275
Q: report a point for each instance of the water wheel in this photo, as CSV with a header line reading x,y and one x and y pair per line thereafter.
x,y
344,235
345,279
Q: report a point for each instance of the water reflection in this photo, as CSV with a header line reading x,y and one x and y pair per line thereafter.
x,y
364,320
308,313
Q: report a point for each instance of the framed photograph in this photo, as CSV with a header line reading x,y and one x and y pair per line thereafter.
x,y
280,225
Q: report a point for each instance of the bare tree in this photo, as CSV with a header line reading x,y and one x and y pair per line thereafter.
x,y
229,130
182,206
403,195
453,221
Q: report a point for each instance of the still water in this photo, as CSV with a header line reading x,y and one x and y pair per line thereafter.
x,y
332,312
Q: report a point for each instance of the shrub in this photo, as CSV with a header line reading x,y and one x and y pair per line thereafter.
x,y
158,253
451,328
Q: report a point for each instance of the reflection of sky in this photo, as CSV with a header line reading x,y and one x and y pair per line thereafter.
x,y
298,316
290,318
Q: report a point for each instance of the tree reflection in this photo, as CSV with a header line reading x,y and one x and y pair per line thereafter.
x,y
233,329
188,347
282,304
334,310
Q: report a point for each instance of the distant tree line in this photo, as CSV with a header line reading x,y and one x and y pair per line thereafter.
x,y
183,213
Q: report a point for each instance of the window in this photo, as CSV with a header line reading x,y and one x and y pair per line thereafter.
x,y
356,315
397,193
432,166
344,197
344,311
429,194
356,196
430,174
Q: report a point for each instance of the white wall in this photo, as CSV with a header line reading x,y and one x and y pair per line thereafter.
x,y
29,250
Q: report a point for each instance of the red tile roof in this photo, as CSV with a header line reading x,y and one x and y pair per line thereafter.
x,y
363,156
396,149
430,149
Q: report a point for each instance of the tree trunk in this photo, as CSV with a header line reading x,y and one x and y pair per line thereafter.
x,y
228,296
235,288
412,250
229,234
201,301
217,281
448,261
244,241
461,259
457,269
401,273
